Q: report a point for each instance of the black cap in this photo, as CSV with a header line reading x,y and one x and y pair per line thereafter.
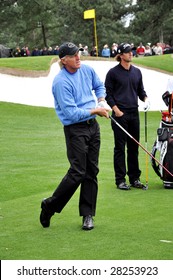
x,y
68,48
124,48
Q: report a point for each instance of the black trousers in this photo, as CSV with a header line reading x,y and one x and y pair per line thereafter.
x,y
83,145
130,122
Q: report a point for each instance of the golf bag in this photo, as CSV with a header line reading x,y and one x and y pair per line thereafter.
x,y
164,143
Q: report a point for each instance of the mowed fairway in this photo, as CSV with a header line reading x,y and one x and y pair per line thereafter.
x,y
131,225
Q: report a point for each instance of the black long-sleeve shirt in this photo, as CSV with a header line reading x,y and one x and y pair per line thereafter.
x,y
123,87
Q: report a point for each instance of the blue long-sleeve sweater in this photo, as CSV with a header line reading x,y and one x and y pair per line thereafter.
x,y
75,94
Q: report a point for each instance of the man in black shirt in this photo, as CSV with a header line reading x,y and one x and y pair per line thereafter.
x,y
124,86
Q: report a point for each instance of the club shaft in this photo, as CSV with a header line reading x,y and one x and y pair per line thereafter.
x,y
146,127
140,145
146,147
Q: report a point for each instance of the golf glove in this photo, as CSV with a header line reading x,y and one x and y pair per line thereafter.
x,y
146,105
104,104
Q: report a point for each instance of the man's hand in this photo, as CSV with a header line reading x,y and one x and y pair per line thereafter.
x,y
100,111
117,111
146,105
104,104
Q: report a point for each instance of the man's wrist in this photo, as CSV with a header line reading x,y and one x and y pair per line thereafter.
x,y
101,99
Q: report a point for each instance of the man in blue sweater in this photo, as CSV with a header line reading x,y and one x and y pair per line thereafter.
x,y
79,96
124,86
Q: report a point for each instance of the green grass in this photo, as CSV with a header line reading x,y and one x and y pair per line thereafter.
x,y
34,63
128,225
159,62
42,63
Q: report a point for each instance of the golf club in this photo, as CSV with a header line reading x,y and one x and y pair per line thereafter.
x,y
140,146
146,147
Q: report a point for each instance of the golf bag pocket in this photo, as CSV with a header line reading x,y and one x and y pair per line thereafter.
x,y
162,134
166,156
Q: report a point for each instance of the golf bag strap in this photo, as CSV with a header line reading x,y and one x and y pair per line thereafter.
x,y
153,162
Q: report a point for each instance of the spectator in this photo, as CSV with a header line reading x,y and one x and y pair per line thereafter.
x,y
106,51
167,49
158,49
35,52
85,51
80,46
17,52
94,51
113,50
148,50
140,50
133,48
44,51
56,50
50,51
23,51
27,51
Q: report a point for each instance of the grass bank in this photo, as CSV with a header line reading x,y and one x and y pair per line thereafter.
x,y
42,64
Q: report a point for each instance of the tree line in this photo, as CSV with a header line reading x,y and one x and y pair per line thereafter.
x,y
40,23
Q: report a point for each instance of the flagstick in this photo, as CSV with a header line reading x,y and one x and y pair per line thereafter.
x,y
95,33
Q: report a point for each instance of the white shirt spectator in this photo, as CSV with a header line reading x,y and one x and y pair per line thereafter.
x,y
158,49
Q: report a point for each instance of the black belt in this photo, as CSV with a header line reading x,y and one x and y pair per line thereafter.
x,y
88,122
